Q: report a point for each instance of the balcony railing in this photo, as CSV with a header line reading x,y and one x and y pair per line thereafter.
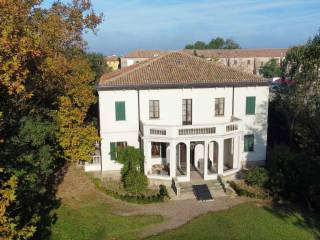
x,y
154,130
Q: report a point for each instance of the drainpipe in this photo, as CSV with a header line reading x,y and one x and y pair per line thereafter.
x,y
232,101
138,91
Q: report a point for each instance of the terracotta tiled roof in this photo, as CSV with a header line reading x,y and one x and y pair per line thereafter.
x,y
144,54
241,53
176,69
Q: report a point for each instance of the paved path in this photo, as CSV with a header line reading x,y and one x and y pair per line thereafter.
x,y
177,213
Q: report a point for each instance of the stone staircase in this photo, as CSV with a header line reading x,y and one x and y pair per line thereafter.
x,y
184,190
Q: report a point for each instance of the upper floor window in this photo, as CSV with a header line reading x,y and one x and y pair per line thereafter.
x,y
219,106
154,109
249,143
186,111
250,105
114,146
248,62
120,108
235,62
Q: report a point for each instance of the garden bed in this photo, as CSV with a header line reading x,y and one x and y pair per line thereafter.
x,y
243,189
115,189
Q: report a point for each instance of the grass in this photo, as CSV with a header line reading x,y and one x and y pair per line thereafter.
x,y
246,221
92,219
85,214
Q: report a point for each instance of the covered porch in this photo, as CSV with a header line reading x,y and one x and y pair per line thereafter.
x,y
191,159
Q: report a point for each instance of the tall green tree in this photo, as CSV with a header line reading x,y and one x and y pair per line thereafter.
x,y
200,45
270,69
295,165
231,44
215,43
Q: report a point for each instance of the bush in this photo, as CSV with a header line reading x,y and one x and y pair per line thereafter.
x,y
135,182
163,191
256,176
253,192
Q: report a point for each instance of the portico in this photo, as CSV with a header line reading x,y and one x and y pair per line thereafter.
x,y
190,157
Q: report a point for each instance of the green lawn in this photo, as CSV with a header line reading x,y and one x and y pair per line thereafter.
x,y
92,219
245,222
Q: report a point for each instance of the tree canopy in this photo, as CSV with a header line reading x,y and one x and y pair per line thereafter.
x,y
215,43
271,69
46,90
294,131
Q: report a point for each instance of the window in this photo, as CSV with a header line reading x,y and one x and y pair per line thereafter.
x,y
154,109
113,148
186,111
248,62
235,62
158,150
250,105
219,106
261,64
249,143
120,111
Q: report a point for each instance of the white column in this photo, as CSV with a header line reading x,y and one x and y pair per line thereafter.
x,y
236,152
205,159
173,160
188,159
147,157
220,155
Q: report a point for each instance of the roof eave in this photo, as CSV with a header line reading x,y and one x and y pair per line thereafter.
x,y
185,85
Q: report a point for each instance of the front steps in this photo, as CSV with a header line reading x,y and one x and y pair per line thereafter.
x,y
183,190
213,185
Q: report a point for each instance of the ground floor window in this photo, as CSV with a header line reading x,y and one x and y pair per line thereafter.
x,y
113,148
158,150
249,143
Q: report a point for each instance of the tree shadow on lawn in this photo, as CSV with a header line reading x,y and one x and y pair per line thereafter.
x,y
303,217
50,202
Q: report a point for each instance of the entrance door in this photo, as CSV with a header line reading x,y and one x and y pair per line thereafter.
x,y
183,156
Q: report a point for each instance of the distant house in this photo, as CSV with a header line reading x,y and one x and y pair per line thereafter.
x,y
247,60
139,56
113,62
190,117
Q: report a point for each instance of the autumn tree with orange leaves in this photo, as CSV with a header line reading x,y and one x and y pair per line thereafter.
x,y
45,93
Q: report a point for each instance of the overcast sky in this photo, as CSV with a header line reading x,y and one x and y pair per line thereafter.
x,y
171,24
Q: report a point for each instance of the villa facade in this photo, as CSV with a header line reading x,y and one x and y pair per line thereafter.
x,y
188,116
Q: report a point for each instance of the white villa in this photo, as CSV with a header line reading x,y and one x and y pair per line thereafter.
x,y
190,117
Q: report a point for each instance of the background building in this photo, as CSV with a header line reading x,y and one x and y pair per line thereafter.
x,y
113,62
246,60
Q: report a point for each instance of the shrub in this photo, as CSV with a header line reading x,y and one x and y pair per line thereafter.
x,y
135,181
163,191
253,192
256,176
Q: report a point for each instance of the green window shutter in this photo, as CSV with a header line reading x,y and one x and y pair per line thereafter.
x,y
163,150
120,111
250,105
248,143
113,150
